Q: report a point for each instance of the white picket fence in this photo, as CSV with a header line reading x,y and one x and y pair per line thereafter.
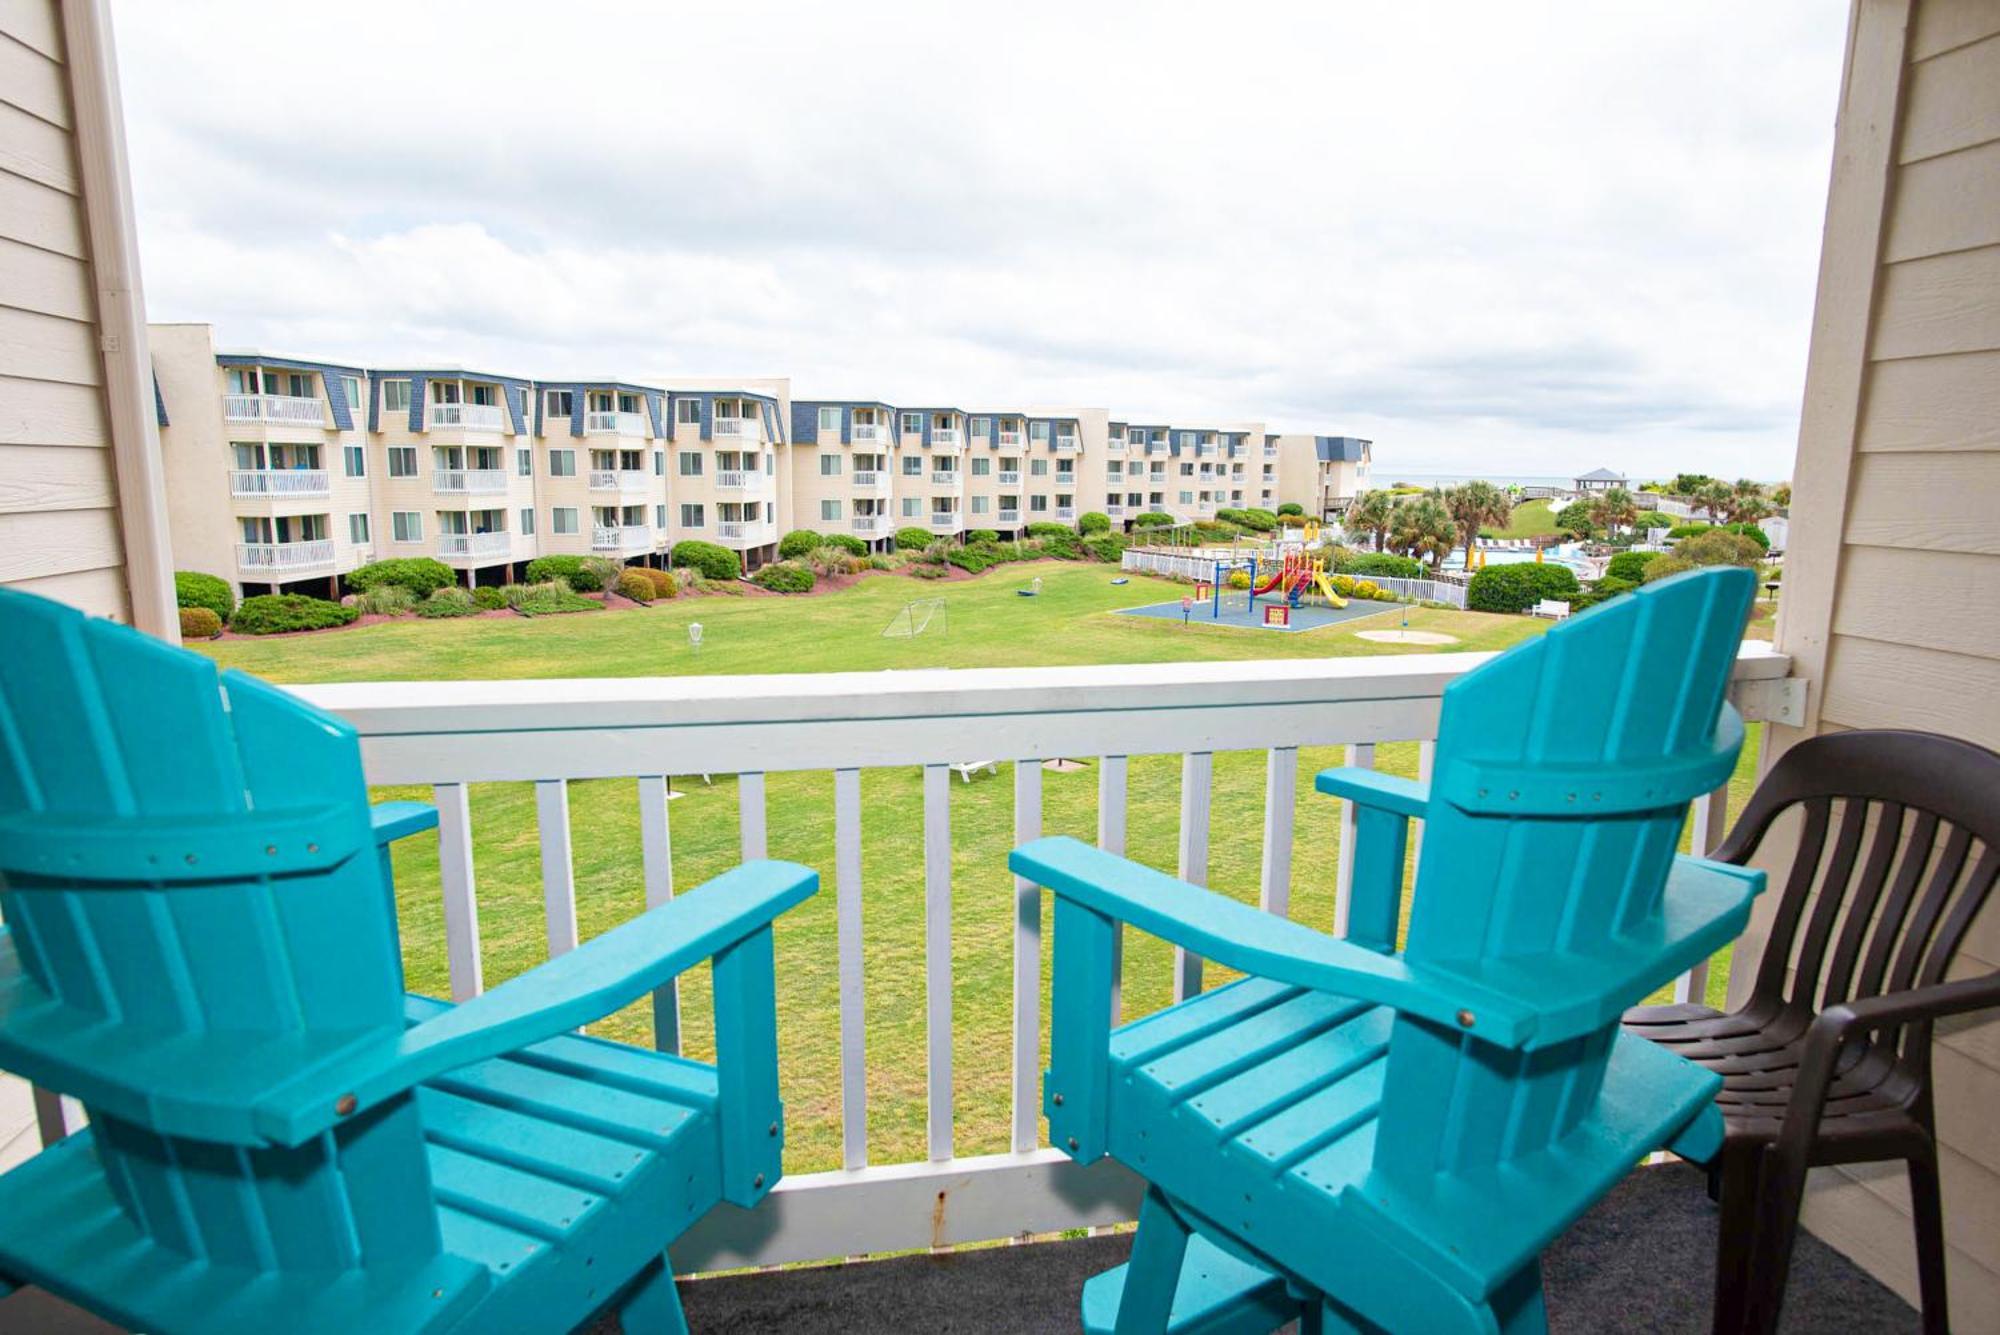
x,y
1423,590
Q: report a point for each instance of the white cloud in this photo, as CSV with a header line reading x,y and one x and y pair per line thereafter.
x,y
1522,239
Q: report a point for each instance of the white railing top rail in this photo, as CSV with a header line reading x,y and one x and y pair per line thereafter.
x,y
737,426
474,544
740,479
476,481
295,410
614,423
470,416
618,479
278,482
285,555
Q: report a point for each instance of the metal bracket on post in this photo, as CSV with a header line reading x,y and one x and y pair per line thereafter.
x,y
1771,700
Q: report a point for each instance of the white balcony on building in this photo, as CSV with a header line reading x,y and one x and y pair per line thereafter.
x,y
469,481
278,483
284,558
945,477
872,480
1066,444
743,479
1007,516
947,439
459,546
873,526
619,479
614,424
621,538
1066,513
865,433
737,428
1009,479
746,532
1115,445
469,416
946,521
1010,438
1270,451
282,409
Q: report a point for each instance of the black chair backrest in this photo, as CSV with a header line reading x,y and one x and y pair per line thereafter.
x,y
1899,848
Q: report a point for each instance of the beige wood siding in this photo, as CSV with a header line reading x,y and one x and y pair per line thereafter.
x,y
63,523
1892,597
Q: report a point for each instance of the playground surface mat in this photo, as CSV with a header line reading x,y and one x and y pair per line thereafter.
x,y
1304,617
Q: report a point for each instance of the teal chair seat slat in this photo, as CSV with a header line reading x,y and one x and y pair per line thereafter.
x,y
200,943
537,1169
1383,1133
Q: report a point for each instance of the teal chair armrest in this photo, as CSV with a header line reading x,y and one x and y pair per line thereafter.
x,y
1384,805
391,821
728,918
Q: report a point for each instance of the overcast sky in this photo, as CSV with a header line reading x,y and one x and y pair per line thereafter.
x,y
1514,239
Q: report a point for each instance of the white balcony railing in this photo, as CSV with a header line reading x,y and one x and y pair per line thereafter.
x,y
946,521
614,424
1009,479
1010,438
618,479
946,438
877,526
867,433
1270,451
1115,445
278,482
469,481
462,545
737,428
742,479
621,538
945,477
469,416
283,557
746,532
1066,512
1157,508
872,479
288,409
1113,509
825,730
1007,516
1066,444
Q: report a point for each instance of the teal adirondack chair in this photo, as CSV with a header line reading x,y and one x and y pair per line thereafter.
x,y
1370,1140
200,944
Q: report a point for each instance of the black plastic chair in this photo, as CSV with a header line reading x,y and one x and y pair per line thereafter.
x,y
1829,1062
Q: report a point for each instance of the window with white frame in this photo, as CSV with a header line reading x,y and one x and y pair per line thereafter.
x,y
982,466
562,463
694,516
913,424
352,385
524,462
1039,504
356,459
562,519
829,418
982,427
395,396
406,525
690,463
1038,431
980,504
659,516
913,465
829,465
687,412
829,510
913,507
527,521
357,529
659,463
559,403
1038,467
402,461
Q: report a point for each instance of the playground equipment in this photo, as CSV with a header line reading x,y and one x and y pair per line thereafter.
x,y
917,617
1298,575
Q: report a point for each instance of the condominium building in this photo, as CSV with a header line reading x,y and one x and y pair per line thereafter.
x,y
1323,473
287,473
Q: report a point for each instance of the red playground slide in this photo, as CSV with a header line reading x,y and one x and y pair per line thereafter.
x,y
1273,582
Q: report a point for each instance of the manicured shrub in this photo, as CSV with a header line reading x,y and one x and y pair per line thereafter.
x,y
784,577
1093,521
982,535
663,582
1152,519
550,599
275,613
1689,530
419,574
488,599
929,571
1383,565
798,542
831,560
194,589
1045,529
1062,544
604,570
636,584
712,561
912,539
971,558
569,569
1518,587
847,542
1240,579
1630,567
1666,567
1291,508
1612,585
200,623
1717,547
1106,548
1652,519
1752,532
384,600
1367,588
447,602
1343,585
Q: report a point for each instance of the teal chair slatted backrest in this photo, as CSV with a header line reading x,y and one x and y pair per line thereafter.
x,y
1611,717
196,911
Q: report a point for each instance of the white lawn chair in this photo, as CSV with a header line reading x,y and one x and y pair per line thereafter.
x,y
1553,608
966,768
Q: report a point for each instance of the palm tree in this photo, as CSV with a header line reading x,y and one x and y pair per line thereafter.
x,y
1473,505
1781,495
1742,497
1715,498
1422,526
1373,512
1613,509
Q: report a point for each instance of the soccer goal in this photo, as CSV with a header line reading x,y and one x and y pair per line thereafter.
x,y
917,618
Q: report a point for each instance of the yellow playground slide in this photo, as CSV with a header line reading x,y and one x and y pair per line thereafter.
x,y
1325,588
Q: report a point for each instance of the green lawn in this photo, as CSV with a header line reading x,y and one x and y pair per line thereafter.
x,y
1531,519
989,625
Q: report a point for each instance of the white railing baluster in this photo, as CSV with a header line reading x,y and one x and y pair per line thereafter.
x,y
1363,755
1281,790
750,804
1111,774
558,880
937,956
656,852
847,928
1710,822
1197,767
461,896
1027,962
